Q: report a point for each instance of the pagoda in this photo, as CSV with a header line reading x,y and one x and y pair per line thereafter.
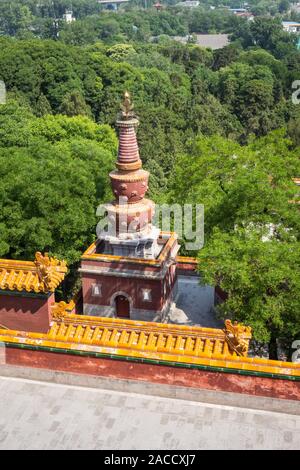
x,y
130,271
158,6
130,230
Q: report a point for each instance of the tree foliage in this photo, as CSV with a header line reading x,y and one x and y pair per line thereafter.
x,y
53,175
216,127
251,227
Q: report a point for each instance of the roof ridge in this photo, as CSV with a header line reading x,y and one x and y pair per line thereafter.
x,y
40,276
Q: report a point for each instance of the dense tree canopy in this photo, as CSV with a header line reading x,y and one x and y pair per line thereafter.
x,y
53,175
216,127
252,227
179,90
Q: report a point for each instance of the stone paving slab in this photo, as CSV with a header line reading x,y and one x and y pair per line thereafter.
x,y
194,305
37,415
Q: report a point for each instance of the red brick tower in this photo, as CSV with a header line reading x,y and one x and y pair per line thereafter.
x,y
131,270
130,232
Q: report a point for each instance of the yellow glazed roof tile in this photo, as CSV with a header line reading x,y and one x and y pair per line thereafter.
x,y
224,348
147,337
70,336
39,276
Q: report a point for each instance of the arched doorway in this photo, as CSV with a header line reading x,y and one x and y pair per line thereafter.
x,y
122,306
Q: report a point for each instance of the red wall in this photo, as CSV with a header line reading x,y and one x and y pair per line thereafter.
x,y
110,285
132,287
196,378
25,313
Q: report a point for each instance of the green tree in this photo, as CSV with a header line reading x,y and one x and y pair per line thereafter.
x,y
294,127
261,280
251,224
250,93
121,52
48,207
225,56
14,17
53,175
74,104
42,106
284,6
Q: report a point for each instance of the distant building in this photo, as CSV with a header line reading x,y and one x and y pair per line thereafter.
x,y
158,6
297,181
245,14
188,4
238,10
68,16
213,41
112,4
291,26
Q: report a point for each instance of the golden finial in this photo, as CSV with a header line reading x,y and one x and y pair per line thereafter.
x,y
127,106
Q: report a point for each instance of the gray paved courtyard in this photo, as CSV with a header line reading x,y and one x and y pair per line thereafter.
x,y
194,305
36,415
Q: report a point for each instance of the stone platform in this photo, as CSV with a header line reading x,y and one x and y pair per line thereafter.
x,y
39,415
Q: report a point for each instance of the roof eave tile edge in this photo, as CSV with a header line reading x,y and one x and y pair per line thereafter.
x,y
235,365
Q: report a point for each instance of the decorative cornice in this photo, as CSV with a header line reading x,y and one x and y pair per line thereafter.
x,y
129,166
127,124
127,273
136,177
